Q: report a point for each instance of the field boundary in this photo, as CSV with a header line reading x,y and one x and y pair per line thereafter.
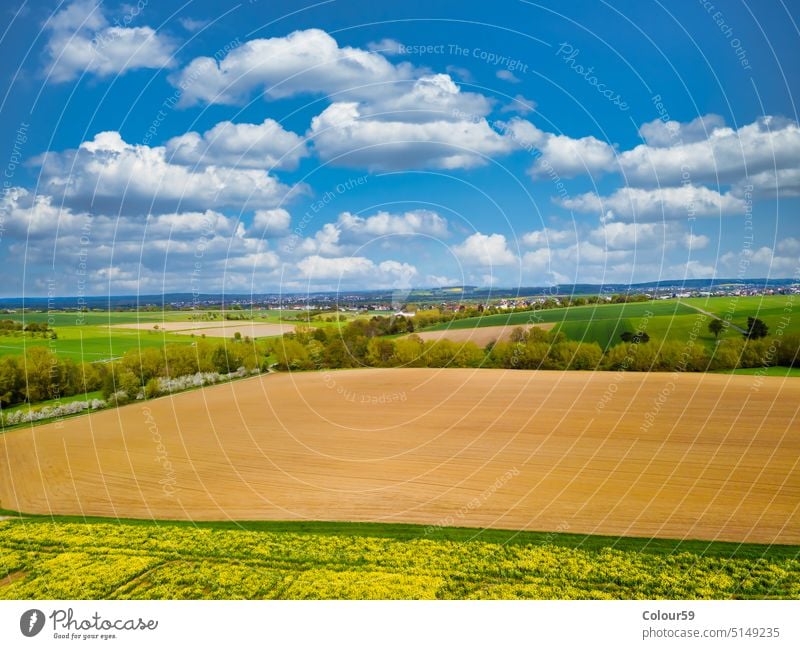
x,y
413,531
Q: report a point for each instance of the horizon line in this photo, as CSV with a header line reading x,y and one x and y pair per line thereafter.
x,y
722,280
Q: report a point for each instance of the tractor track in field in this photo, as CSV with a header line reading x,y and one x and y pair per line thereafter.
x,y
715,316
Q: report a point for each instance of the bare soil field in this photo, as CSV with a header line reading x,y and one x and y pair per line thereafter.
x,y
481,336
654,455
224,329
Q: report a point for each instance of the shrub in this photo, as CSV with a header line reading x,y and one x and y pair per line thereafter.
x,y
756,353
119,398
788,352
680,356
578,356
152,389
166,385
292,355
727,355
380,352
408,352
27,415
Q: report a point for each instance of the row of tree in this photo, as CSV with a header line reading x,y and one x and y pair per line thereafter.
x,y
358,345
139,367
14,327
41,375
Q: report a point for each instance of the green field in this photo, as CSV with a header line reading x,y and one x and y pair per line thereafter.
x,y
741,307
767,371
604,332
670,320
92,342
770,308
70,558
72,318
589,313
87,336
95,341
601,323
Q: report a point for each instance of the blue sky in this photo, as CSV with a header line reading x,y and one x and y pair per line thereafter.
x,y
177,146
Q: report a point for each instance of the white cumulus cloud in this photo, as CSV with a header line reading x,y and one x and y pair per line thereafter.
x,y
344,136
109,175
485,250
659,133
663,203
264,146
340,269
547,237
725,155
81,39
305,61
270,223
386,223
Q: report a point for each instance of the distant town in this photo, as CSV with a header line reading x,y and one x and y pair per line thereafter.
x,y
454,298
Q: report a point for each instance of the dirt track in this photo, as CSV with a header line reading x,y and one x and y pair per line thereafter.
x,y
511,449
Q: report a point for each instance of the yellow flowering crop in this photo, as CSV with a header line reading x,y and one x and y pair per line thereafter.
x,y
46,560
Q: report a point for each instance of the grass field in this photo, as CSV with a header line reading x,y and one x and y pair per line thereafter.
x,y
92,342
770,308
71,318
768,371
58,319
670,319
67,559
479,448
103,335
594,323
605,332
633,310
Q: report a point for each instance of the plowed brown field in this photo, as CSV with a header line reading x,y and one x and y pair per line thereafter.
x,y
510,449
481,336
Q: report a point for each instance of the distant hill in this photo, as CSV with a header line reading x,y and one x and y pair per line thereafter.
x,y
106,302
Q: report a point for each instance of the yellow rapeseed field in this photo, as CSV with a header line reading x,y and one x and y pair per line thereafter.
x,y
45,560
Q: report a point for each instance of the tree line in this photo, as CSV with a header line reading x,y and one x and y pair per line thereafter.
x,y
15,328
41,375
363,343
